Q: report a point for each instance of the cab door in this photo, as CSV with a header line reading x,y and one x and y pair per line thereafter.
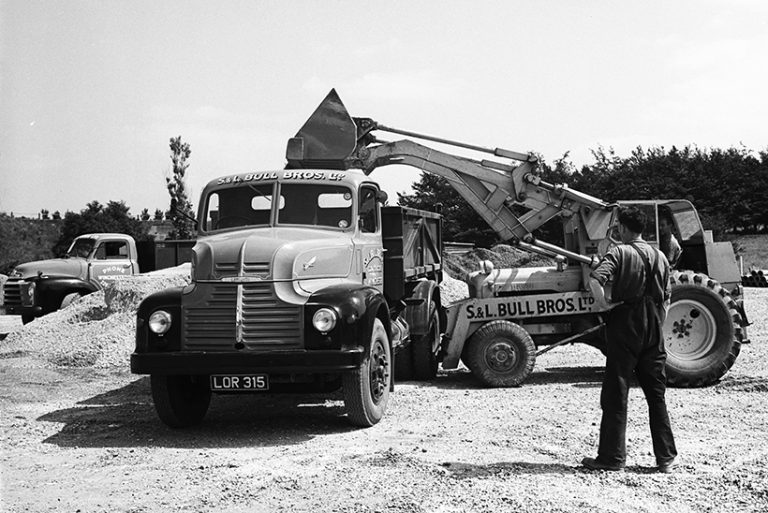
x,y
111,260
369,251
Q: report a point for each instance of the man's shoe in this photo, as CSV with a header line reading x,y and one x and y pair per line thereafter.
x,y
594,464
667,468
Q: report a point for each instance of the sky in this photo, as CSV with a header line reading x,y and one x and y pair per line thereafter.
x,y
92,91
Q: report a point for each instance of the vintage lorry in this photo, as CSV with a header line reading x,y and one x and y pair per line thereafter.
x,y
34,289
301,278
300,281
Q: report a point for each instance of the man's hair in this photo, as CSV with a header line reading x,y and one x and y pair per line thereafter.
x,y
633,218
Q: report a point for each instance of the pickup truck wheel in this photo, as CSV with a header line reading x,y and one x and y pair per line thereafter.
x,y
69,299
501,354
180,401
425,349
366,390
702,331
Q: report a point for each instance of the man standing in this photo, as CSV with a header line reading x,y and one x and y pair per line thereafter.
x,y
640,295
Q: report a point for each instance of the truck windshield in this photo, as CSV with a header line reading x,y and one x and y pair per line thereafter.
x,y
297,204
81,248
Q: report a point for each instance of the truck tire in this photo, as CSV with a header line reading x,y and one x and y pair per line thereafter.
x,y
69,299
180,401
702,331
366,390
501,354
426,348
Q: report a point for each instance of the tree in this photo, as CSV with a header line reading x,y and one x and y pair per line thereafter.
x,y
57,215
24,240
45,214
96,218
181,208
158,215
145,214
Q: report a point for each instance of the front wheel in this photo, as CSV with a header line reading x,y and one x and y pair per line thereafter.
x,y
366,390
181,401
702,333
500,354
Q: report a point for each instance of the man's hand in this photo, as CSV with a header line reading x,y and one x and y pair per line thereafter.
x,y
598,292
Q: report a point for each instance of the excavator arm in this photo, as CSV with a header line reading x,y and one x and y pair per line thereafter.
x,y
332,139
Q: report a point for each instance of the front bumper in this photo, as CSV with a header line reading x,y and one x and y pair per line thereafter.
x,y
33,311
239,362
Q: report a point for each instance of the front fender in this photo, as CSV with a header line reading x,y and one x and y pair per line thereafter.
x,y
356,307
51,290
170,301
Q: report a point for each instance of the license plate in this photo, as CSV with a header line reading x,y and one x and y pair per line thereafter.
x,y
239,382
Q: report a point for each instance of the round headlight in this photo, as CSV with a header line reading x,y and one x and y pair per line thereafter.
x,y
324,320
160,322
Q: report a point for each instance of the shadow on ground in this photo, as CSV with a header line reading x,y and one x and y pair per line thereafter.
x,y
582,377
459,470
125,417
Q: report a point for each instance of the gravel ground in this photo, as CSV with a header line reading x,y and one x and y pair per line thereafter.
x,y
79,433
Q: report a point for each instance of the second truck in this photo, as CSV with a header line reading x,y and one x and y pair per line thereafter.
x,y
302,280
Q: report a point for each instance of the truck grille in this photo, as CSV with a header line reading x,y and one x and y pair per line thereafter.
x,y
12,292
268,323
260,269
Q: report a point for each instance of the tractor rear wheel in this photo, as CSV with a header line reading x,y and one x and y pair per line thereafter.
x,y
702,331
501,354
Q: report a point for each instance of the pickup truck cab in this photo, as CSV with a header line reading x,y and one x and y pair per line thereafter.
x,y
37,288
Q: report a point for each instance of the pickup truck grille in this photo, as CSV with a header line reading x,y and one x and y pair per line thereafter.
x,y
260,269
12,292
268,323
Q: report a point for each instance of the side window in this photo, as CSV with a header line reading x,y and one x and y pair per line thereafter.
x,y
115,250
368,213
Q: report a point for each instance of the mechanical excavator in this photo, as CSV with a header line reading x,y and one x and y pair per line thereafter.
x,y
514,315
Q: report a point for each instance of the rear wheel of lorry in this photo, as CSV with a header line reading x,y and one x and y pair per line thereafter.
x,y
702,334
426,348
366,390
180,401
501,354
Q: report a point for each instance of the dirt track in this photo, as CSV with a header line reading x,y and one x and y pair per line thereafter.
x,y
89,440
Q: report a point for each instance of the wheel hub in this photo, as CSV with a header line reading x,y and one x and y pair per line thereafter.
x,y
501,356
379,374
689,329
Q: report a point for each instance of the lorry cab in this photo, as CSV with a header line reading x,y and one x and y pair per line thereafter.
x,y
311,227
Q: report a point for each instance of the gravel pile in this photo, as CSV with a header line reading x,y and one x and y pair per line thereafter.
x,y
95,331
452,290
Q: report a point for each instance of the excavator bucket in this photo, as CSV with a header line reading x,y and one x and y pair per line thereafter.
x,y
327,138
